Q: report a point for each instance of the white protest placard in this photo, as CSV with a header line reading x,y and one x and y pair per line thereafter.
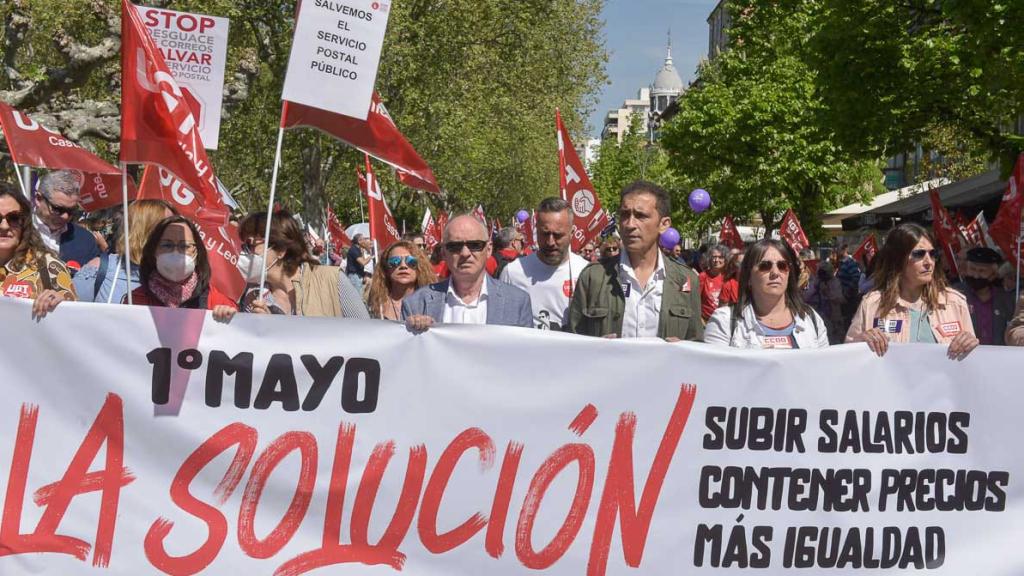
x,y
140,440
195,47
335,54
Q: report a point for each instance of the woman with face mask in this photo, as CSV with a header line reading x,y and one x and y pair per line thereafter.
x,y
911,302
297,284
174,271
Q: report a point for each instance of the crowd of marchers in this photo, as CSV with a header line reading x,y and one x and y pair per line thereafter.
x,y
626,286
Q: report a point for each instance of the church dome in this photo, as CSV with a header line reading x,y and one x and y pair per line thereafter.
x,y
667,79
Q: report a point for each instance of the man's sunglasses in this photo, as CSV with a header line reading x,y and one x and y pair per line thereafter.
x,y
473,245
14,219
396,261
920,253
71,211
766,266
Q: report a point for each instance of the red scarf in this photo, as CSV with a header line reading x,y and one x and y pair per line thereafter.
x,y
172,294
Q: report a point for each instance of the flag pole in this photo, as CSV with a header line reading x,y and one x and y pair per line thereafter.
x,y
125,225
21,182
270,202
1019,238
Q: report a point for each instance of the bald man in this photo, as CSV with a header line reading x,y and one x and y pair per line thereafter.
x,y
469,295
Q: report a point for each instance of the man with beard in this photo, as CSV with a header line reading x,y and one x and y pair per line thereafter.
x,y
991,306
548,274
643,293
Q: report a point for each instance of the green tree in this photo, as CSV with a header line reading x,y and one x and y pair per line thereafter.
x,y
751,130
896,74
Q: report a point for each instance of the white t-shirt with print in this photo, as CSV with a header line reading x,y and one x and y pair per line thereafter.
x,y
550,288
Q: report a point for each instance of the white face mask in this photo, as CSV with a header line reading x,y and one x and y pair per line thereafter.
x,y
251,266
175,266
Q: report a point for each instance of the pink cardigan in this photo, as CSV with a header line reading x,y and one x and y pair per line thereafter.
x,y
951,318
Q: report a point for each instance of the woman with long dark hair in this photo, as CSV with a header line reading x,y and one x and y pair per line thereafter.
x,y
27,269
769,312
403,268
174,270
911,301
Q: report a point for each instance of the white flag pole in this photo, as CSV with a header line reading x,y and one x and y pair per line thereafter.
x,y
1019,238
270,202
125,225
21,182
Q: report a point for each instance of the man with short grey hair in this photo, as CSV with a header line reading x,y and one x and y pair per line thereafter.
x,y
56,204
548,275
469,295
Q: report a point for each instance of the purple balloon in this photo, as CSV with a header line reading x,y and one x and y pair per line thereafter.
x,y
522,216
699,200
669,238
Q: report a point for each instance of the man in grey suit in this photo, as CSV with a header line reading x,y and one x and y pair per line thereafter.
x,y
469,295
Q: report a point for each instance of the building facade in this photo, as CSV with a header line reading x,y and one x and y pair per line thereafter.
x,y
650,103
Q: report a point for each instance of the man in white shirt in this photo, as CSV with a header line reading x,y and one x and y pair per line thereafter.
x,y
548,274
469,295
642,294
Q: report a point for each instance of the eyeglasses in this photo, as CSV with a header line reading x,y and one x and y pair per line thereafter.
x,y
396,261
420,245
766,266
920,253
71,211
183,247
473,245
14,219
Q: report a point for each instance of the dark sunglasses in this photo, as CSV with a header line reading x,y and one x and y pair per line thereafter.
x,y
920,253
69,210
396,261
14,219
473,245
766,266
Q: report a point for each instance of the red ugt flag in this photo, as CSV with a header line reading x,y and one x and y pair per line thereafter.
x,y
383,229
975,233
792,233
431,234
730,235
946,232
157,122
865,253
32,144
377,136
1008,225
588,217
338,235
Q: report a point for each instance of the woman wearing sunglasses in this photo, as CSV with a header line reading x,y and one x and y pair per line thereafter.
x,y
403,270
297,284
27,268
911,302
769,312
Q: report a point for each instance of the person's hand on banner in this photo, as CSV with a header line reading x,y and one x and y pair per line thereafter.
x,y
223,313
259,307
611,336
962,345
45,303
877,341
419,323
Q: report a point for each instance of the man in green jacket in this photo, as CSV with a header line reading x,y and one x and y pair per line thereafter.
x,y
642,293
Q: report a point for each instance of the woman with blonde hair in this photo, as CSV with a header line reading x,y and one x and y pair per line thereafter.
x,y
106,281
401,271
911,301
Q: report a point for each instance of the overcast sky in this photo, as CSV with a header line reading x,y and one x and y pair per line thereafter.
x,y
635,36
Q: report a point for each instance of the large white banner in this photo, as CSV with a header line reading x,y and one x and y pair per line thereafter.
x,y
142,441
195,47
335,54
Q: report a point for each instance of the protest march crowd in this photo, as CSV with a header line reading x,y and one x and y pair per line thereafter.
x,y
764,296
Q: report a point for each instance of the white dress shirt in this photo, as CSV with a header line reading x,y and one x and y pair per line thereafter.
x,y
458,312
50,238
643,304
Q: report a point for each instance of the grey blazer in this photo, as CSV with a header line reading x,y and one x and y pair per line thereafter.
x,y
506,304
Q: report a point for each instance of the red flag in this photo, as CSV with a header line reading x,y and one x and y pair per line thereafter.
x,y
431,233
377,136
221,240
975,233
865,253
383,229
946,232
730,235
791,231
337,231
157,122
588,217
478,213
100,191
1008,226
